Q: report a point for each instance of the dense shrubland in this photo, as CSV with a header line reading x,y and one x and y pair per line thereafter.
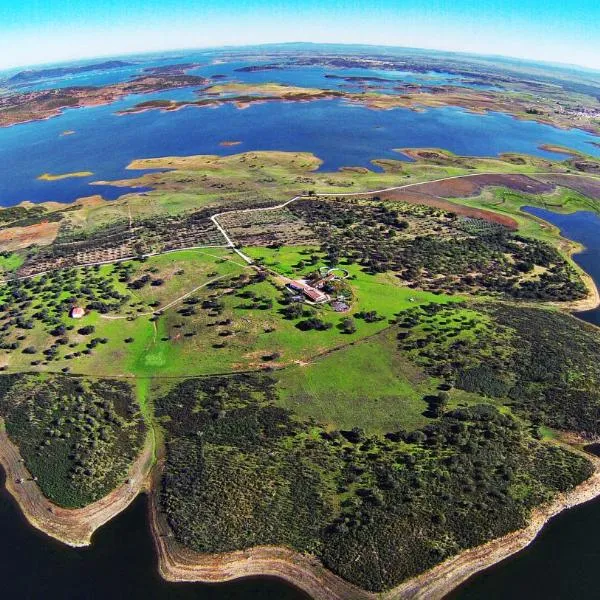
x,y
541,362
435,250
375,509
78,437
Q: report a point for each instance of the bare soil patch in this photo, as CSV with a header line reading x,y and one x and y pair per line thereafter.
x,y
40,234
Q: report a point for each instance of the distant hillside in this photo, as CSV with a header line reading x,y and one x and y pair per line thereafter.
x,y
36,74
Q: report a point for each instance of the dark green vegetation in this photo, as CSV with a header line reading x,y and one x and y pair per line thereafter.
x,y
78,437
240,472
436,250
20,216
375,509
543,364
411,415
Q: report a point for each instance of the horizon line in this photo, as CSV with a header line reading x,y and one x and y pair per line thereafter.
x,y
534,61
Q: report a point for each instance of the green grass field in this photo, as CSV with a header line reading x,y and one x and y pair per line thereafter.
x,y
11,262
243,335
181,273
368,384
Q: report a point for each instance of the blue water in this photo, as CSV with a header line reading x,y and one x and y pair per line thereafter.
x,y
210,63
562,562
582,227
105,143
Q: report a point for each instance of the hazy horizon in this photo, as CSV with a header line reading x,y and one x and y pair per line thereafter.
x,y
191,49
36,32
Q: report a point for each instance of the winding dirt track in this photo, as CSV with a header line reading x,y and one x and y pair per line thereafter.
x,y
70,526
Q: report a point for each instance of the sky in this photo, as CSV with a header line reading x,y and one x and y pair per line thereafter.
x,y
44,31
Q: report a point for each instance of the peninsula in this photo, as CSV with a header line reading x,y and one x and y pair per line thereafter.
x,y
307,370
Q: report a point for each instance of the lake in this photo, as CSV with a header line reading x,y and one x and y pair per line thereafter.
x,y
561,564
105,143
121,563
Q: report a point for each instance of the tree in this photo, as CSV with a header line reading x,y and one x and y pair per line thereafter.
x,y
293,311
348,325
438,403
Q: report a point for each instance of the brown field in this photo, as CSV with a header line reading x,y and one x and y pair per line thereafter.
x,y
41,234
465,187
588,186
465,211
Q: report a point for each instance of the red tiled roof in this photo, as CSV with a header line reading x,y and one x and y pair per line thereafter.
x,y
314,294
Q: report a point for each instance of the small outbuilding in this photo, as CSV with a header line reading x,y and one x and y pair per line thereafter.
x,y
340,306
77,312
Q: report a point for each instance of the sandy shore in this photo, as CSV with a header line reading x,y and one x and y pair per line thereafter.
x,y
593,298
307,573
177,563
591,301
442,579
70,526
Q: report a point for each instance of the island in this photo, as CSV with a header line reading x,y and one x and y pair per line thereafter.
x,y
366,382
31,75
559,97
60,176
36,105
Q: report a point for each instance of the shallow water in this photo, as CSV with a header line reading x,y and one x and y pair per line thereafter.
x,y
104,143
